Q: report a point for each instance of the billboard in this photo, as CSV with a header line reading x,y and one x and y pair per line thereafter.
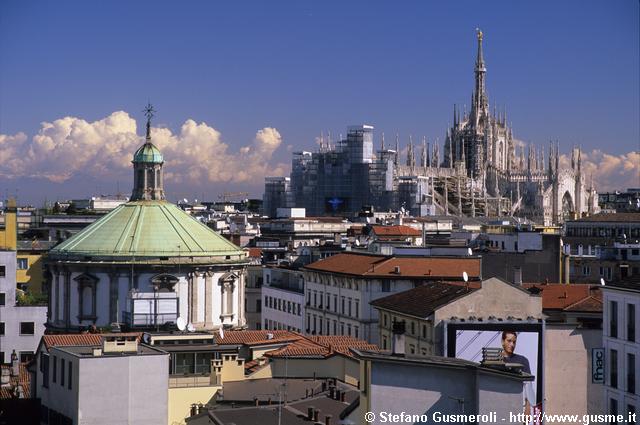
x,y
521,344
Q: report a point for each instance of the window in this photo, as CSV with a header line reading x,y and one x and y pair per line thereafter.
x,y
23,263
341,328
26,356
258,306
384,320
55,369
70,376
613,319
328,306
613,410
635,252
412,348
328,328
1,357
349,311
266,301
2,271
355,332
631,373
356,313
335,303
613,370
631,322
349,329
424,331
185,363
386,285
62,372
203,362
384,342
2,298
1,328
413,328
586,270
27,328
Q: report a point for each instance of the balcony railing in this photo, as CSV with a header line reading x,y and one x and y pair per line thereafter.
x,y
148,319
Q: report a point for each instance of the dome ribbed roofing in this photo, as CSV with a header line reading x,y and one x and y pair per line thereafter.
x,y
148,229
148,153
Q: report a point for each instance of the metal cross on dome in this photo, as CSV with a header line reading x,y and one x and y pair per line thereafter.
x,y
148,111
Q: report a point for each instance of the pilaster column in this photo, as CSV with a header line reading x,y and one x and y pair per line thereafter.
x,y
208,299
67,298
114,292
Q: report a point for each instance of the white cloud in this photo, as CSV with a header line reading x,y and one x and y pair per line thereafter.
x,y
196,154
610,172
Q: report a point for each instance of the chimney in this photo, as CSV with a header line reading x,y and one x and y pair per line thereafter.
x,y
310,413
327,420
397,343
15,365
517,275
316,415
396,269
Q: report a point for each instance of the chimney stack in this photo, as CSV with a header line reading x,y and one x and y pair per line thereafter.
x,y
397,343
517,275
15,365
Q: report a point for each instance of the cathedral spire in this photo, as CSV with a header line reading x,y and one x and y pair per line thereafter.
x,y
397,149
423,156
382,147
479,105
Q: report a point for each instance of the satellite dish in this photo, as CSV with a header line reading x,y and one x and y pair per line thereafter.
x,y
191,328
357,243
469,251
146,338
602,281
465,276
182,324
221,332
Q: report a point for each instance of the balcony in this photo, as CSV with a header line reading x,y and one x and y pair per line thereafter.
x,y
151,309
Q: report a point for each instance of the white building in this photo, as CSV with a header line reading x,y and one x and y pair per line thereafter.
x,y
20,326
101,380
283,299
621,343
338,289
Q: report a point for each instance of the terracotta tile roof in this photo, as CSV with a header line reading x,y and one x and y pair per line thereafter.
x,y
569,297
79,339
322,346
423,300
23,378
450,268
611,218
255,337
254,365
255,252
396,230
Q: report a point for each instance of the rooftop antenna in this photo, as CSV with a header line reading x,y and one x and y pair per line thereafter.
x,y
181,323
221,332
602,281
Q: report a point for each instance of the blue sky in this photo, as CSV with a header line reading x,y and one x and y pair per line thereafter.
x,y
564,70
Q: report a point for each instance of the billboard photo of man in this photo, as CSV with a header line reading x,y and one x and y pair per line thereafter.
x,y
509,342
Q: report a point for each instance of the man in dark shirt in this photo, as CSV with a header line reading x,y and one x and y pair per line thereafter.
x,y
509,340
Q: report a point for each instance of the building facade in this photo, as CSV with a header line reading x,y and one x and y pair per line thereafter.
x,y
338,289
21,326
621,344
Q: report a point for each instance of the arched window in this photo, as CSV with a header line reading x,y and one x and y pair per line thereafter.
x,y
87,287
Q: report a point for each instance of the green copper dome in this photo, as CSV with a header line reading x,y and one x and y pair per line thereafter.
x,y
144,231
148,153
